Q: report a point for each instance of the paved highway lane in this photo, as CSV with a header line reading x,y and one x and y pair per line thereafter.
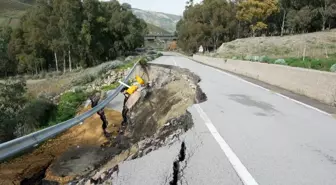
x,y
244,134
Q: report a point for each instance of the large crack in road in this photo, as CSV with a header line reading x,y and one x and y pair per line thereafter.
x,y
157,116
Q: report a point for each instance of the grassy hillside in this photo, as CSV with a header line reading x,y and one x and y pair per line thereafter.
x,y
6,5
152,29
314,45
162,20
11,11
312,51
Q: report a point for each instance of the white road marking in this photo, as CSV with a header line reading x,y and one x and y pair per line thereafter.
x,y
240,169
175,62
281,95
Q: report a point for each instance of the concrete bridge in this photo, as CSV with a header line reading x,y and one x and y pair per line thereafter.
x,y
166,37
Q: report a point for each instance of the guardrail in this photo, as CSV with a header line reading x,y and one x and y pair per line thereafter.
x,y
21,144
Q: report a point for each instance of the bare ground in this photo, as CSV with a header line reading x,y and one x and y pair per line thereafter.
x,y
87,137
316,45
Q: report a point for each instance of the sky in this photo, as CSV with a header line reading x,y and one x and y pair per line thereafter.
x,y
167,6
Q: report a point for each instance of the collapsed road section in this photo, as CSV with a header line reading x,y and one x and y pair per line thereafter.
x,y
157,115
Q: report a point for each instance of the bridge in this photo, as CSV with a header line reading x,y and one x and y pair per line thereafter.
x,y
165,37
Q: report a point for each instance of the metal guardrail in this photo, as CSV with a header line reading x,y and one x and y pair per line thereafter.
x,y
21,144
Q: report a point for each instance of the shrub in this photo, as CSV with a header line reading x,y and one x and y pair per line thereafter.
x,y
143,61
68,104
333,68
265,59
37,114
300,63
280,62
88,78
255,58
248,58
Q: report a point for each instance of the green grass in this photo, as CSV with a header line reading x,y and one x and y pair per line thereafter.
x,y
318,64
110,87
322,64
126,65
68,105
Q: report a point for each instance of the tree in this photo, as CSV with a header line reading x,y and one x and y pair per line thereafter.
x,y
208,24
70,20
12,101
83,33
326,9
298,21
6,66
256,12
284,8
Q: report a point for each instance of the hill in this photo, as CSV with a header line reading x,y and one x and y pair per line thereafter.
x,y
158,23
12,10
314,45
162,20
7,5
152,29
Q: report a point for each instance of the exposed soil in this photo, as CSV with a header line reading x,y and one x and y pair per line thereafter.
x,y
158,118
83,155
42,162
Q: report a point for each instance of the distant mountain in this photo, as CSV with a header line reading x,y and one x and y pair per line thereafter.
x,y
158,23
162,20
12,10
155,30
8,5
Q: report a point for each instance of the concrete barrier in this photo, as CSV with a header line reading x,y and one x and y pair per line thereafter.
x,y
315,84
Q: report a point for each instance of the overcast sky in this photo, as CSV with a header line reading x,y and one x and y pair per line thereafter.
x,y
166,6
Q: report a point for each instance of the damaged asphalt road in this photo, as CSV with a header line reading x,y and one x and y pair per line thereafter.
x,y
157,119
239,128
276,140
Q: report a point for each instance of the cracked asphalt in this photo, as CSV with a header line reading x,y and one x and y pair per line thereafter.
x,y
277,140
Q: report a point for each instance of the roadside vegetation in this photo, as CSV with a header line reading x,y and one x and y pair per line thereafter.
x,y
252,30
64,35
46,102
322,64
214,22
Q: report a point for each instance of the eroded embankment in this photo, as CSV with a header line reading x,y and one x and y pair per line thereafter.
x,y
157,118
63,152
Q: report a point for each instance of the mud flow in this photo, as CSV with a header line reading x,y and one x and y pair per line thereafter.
x,y
155,116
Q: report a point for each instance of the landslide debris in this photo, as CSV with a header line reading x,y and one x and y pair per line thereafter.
x,y
157,118
39,164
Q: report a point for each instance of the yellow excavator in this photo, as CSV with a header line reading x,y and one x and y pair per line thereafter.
x,y
133,88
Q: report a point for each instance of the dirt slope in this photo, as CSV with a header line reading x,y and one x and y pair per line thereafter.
x,y
86,136
316,46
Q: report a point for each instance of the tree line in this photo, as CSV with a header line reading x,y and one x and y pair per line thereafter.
x,y
213,22
60,35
